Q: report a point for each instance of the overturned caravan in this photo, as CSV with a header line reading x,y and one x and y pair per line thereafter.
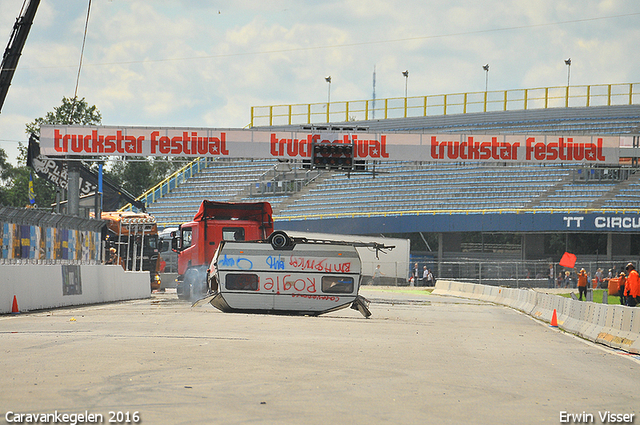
x,y
284,275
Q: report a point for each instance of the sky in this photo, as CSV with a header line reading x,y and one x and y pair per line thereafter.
x,y
185,63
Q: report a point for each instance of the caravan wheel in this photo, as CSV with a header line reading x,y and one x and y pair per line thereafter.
x,y
280,240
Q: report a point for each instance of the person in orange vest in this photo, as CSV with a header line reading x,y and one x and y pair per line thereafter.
x,y
632,286
621,282
582,284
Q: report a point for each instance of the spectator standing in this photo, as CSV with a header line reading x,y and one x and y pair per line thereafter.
x,y
428,278
416,275
113,257
599,277
621,283
632,286
582,284
377,275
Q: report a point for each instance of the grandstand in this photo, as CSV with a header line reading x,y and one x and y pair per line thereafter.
x,y
222,180
405,187
447,199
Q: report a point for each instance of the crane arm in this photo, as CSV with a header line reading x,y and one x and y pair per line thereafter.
x,y
14,48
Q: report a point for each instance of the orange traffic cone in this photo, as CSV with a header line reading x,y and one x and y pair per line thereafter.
x,y
554,319
14,307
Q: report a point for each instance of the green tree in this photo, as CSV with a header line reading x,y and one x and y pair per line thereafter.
x,y
6,177
138,174
72,111
15,180
17,192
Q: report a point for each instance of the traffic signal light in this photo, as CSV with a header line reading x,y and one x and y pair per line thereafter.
x,y
332,156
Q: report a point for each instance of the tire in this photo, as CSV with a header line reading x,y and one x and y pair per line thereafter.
x,y
279,240
183,291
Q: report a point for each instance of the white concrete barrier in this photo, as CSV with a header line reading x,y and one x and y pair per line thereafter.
x,y
39,287
614,325
494,291
630,330
613,333
562,312
526,301
532,301
633,335
596,319
543,309
573,323
442,287
499,297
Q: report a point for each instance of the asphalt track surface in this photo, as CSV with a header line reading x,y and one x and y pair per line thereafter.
x,y
420,359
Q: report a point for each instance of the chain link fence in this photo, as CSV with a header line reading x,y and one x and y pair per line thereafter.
x,y
519,273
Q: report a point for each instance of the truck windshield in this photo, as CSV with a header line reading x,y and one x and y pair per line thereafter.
x,y
152,242
186,237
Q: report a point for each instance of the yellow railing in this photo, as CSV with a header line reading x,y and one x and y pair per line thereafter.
x,y
445,104
456,211
165,186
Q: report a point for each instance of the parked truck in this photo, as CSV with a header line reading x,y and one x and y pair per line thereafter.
x,y
132,242
169,262
197,241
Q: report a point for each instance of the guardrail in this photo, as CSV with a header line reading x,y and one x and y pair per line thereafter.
x,y
167,185
447,104
613,325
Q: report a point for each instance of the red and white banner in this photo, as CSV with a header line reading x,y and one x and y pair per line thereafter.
x,y
238,143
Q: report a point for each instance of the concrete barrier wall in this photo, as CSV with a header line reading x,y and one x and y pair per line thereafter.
x,y
613,325
48,286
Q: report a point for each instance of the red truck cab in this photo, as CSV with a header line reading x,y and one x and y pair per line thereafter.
x,y
196,241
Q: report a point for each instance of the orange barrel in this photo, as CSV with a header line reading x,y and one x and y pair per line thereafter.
x,y
614,286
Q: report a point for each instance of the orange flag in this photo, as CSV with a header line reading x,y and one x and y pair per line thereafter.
x,y
568,260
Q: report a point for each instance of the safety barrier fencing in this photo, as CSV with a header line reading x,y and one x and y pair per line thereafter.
x,y
31,236
616,326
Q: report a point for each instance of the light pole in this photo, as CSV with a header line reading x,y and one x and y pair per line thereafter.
x,y
406,81
486,79
568,63
328,80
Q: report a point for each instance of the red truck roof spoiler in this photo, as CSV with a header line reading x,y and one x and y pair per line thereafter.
x,y
255,211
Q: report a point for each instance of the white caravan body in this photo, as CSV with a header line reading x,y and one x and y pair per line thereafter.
x,y
290,278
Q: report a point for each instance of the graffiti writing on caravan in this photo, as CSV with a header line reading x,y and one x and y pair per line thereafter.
x,y
552,150
287,283
119,143
302,147
317,297
322,265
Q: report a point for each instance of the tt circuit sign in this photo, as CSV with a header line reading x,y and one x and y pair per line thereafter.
x,y
58,140
599,222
